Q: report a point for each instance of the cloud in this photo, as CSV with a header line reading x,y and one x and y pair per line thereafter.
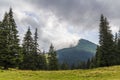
x,y
50,28
75,12
55,31
62,22
81,13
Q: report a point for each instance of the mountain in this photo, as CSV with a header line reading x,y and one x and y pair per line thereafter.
x,y
83,51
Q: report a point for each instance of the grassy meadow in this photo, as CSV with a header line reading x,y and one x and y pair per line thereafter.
x,y
106,73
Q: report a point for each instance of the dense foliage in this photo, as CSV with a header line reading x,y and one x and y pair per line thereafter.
x,y
28,56
108,51
10,55
52,59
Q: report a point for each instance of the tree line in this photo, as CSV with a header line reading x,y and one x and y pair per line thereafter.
x,y
28,56
108,50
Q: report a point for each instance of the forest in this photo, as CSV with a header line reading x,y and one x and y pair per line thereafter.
x,y
27,56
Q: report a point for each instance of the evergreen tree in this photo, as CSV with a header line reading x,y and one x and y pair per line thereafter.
x,y
64,66
28,52
82,65
118,47
33,58
116,40
10,55
28,44
52,59
88,64
73,66
4,53
40,58
41,62
13,39
35,42
119,40
93,62
116,53
45,66
105,52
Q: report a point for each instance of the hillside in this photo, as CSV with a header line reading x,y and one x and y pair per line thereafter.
x,y
83,51
106,73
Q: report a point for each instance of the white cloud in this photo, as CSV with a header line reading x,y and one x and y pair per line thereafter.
x,y
50,28
56,32
62,22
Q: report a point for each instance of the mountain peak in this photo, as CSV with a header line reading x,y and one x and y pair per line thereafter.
x,y
85,41
83,51
86,45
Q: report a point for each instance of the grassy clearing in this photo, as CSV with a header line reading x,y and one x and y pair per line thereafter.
x,y
106,73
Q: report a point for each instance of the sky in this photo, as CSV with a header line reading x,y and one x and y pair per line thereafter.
x,y
62,22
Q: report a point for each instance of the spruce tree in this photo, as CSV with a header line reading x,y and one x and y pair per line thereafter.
x,y
40,58
73,66
45,65
82,65
33,58
88,64
13,39
64,66
10,55
118,47
119,41
52,59
28,52
99,54
116,52
4,52
116,40
28,44
105,52
35,42
41,63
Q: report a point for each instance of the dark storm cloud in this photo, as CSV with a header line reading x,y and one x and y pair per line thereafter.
x,y
80,13
75,12
62,21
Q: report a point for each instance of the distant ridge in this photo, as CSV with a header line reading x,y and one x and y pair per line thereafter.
x,y
83,51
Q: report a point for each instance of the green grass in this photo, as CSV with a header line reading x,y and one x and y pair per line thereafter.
x,y
106,73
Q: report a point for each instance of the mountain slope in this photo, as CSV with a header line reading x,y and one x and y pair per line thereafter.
x,y
83,51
